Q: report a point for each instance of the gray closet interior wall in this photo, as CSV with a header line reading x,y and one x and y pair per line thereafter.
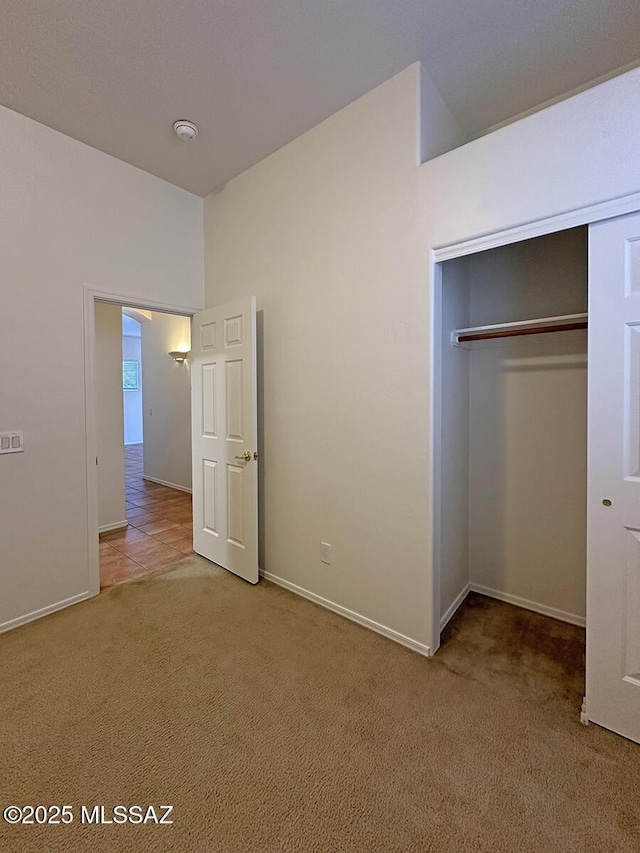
x,y
513,465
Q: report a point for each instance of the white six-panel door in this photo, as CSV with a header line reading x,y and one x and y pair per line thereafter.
x,y
224,437
613,551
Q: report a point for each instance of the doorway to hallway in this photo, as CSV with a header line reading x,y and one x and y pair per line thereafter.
x,y
159,532
143,508
143,407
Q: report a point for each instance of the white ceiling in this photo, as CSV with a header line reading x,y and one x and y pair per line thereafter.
x,y
254,75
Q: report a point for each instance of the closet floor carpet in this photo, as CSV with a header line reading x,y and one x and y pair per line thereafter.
x,y
271,724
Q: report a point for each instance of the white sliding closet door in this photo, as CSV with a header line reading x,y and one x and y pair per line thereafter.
x,y
613,549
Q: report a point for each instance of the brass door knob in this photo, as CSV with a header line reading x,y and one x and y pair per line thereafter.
x,y
246,456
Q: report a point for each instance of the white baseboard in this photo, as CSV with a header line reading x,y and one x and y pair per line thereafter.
x,y
457,601
44,611
165,483
571,618
414,645
117,525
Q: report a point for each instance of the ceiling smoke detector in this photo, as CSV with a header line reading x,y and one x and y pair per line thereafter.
x,y
185,129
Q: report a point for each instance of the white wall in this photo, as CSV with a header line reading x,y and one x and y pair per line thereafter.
x,y
576,153
439,131
108,384
323,232
528,477
69,216
333,233
132,400
167,400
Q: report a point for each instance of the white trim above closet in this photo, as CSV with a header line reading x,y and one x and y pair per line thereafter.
x,y
597,212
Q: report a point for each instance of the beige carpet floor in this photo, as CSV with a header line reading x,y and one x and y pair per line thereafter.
x,y
273,725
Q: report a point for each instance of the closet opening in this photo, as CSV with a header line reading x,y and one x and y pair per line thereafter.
x,y
511,383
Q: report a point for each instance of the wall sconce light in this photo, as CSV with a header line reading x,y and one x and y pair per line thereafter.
x,y
178,356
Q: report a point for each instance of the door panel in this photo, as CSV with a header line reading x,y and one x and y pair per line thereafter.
x,y
224,417
235,429
632,402
613,561
209,400
208,336
235,504
210,523
632,605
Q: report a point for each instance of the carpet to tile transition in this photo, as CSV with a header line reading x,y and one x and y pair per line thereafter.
x,y
270,724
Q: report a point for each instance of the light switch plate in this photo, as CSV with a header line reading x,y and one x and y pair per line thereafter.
x,y
12,442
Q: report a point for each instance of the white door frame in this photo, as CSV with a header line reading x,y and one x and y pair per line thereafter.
x,y
526,231
90,296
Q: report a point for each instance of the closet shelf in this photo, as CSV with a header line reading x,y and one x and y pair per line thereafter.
x,y
564,323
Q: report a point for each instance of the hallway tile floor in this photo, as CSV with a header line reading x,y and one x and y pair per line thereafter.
x,y
160,530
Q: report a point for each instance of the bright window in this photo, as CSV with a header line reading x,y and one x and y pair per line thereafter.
x,y
131,375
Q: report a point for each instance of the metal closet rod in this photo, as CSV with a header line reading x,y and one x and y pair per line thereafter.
x,y
517,333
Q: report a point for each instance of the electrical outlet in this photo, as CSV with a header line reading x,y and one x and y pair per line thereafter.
x,y
325,553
